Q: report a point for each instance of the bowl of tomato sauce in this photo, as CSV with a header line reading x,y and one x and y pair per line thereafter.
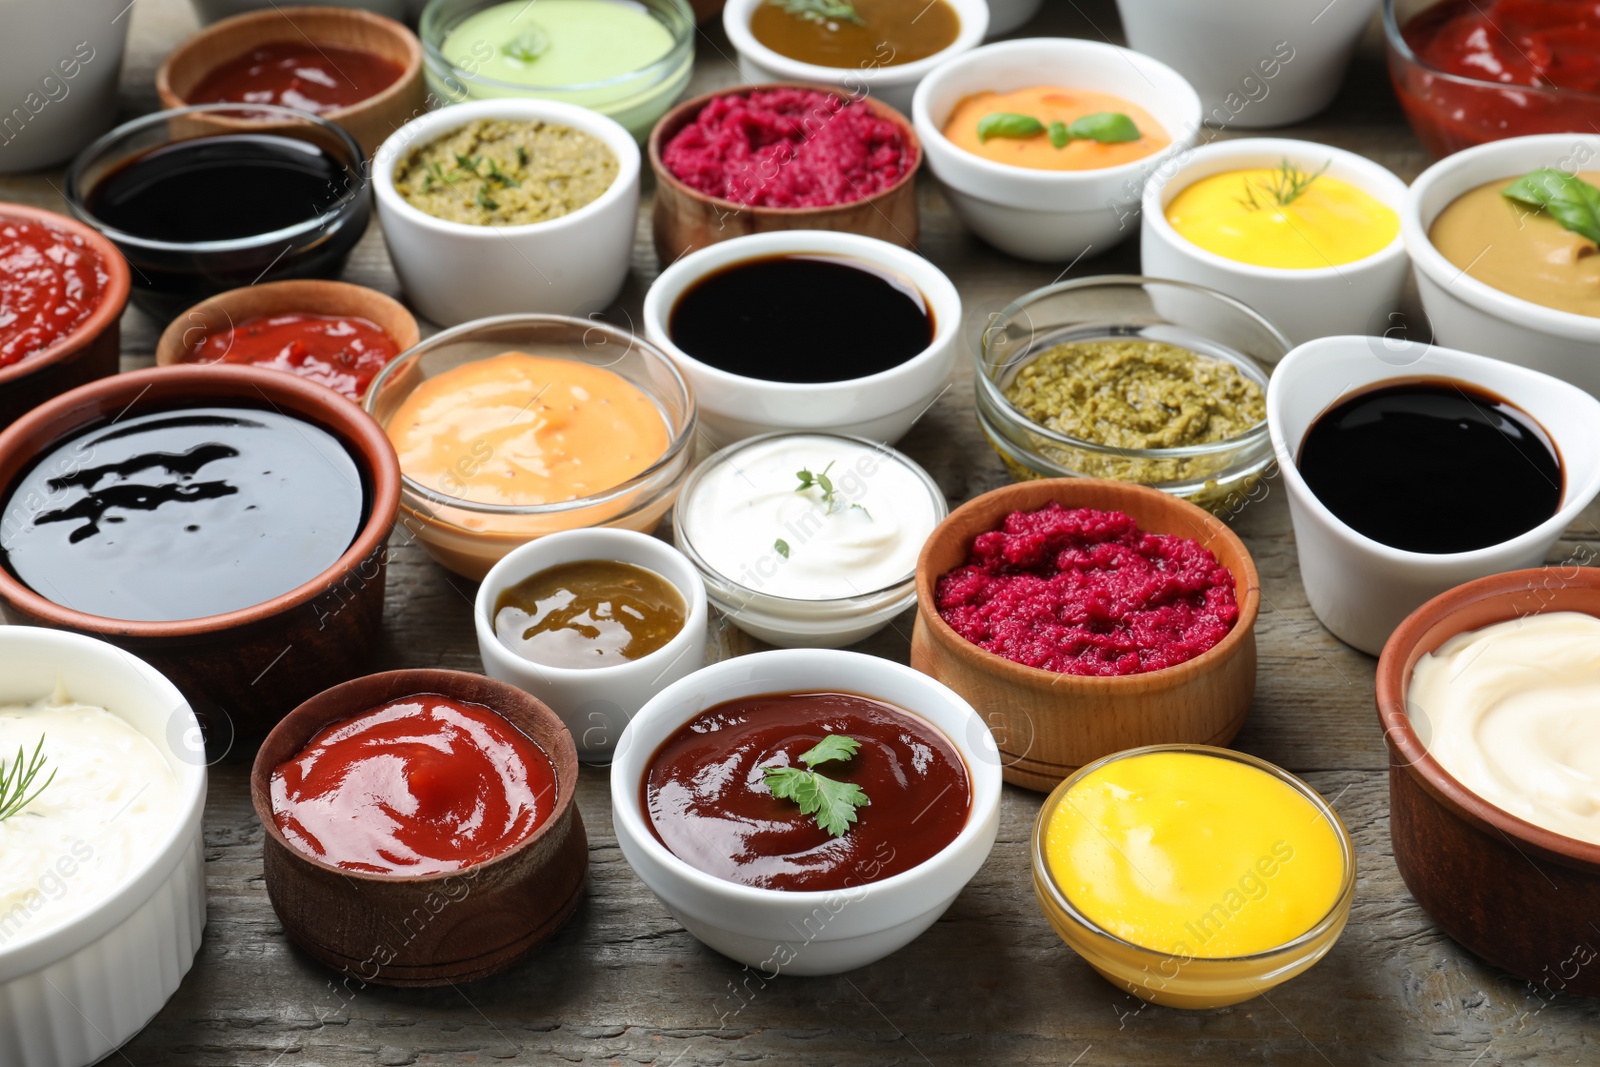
x,y
63,288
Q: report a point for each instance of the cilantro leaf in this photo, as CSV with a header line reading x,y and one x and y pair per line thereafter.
x,y
832,747
833,803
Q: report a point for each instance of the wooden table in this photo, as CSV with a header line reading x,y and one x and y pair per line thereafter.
x,y
989,983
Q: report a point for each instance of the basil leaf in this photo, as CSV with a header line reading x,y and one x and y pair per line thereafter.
x,y
1059,134
1567,198
1009,124
1107,127
528,45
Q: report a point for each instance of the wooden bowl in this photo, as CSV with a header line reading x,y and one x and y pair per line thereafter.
x,y
296,644
435,929
313,297
369,121
685,219
1516,894
1046,724
89,352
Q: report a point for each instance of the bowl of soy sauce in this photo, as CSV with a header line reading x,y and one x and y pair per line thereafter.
x,y
217,196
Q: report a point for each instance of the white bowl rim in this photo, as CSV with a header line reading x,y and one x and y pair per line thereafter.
x,y
1578,495
432,125
936,288
626,780
1430,261
974,26
1377,181
1067,49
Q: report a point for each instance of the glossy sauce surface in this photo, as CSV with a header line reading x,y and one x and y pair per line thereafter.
x,y
50,281
1051,103
706,799
316,78
421,785
183,514
888,33
593,613
340,352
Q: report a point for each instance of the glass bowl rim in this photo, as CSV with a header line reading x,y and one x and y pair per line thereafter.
x,y
1400,48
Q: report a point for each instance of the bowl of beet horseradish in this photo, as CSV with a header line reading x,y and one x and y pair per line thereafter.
x,y
859,798
421,826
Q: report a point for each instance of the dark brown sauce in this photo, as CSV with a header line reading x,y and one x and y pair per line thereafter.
x,y
593,613
889,33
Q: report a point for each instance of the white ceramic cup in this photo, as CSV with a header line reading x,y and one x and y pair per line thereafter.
x,y
595,703
1359,588
1358,297
1471,315
59,65
1052,216
815,932
881,407
453,272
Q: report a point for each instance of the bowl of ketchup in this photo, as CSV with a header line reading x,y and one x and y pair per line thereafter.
x,y
1472,71
421,826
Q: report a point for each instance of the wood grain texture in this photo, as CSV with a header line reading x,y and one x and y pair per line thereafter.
x,y
989,983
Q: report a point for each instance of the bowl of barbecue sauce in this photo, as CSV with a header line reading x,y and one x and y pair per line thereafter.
x,y
196,212
1412,469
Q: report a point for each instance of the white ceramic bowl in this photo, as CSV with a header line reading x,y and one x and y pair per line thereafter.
x,y
1305,304
59,64
73,992
1468,314
1360,589
1255,63
893,85
881,406
772,928
1039,214
596,703
453,272
1008,15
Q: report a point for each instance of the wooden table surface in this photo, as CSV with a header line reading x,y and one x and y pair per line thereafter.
x,y
989,983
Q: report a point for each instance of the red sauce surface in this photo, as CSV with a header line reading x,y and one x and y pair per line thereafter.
x,y
50,281
706,797
342,353
314,78
788,148
1080,591
421,785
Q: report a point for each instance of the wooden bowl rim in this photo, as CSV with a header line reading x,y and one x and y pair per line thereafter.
x,y
1431,625
1061,490
58,418
108,311
684,113
330,706
315,16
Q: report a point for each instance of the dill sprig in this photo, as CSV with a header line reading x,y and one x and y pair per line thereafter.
x,y
16,780
1287,184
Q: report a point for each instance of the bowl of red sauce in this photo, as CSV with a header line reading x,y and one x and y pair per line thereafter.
x,y
1471,71
333,333
750,861
421,826
783,156
63,288
354,68
1086,617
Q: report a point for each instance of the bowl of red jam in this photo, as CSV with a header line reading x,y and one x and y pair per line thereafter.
x,y
421,826
1471,71
63,288
853,799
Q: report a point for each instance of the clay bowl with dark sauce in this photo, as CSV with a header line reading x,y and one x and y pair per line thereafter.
x,y
242,669
432,929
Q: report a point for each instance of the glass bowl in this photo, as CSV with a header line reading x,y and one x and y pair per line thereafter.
x,y
169,276
469,537
637,99
1177,980
1449,112
1217,476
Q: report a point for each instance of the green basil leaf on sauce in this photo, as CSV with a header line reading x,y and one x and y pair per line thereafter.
x,y
1567,198
1107,127
1009,124
528,45
1059,134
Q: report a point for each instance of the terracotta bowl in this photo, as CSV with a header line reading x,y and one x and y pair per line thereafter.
x,y
91,351
369,121
1047,725
1513,893
686,219
310,637
313,297
420,930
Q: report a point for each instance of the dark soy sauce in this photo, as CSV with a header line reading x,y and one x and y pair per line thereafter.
x,y
1432,465
803,319
183,514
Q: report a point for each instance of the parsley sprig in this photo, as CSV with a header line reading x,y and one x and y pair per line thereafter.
x,y
821,10
830,495
16,780
833,803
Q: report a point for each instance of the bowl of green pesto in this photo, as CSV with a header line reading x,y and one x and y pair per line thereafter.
x,y
1133,379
